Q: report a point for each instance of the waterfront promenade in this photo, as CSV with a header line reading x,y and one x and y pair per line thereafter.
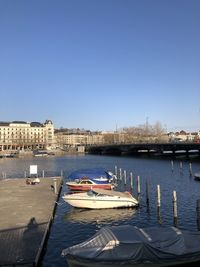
x,y
26,214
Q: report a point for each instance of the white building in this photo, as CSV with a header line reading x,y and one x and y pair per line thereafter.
x,y
20,135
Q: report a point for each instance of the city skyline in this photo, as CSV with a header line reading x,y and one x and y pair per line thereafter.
x,y
100,64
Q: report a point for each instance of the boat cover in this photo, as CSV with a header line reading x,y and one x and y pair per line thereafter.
x,y
154,246
90,173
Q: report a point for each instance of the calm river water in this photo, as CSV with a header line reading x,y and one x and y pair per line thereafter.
x,y
72,226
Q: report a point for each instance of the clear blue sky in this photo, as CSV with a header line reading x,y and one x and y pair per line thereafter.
x,y
101,64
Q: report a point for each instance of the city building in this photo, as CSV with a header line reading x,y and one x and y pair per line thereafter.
x,y
76,139
21,135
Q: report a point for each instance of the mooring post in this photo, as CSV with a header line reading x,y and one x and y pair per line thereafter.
x,y
138,185
55,185
172,165
181,166
198,214
190,168
147,193
175,208
124,177
120,174
131,180
158,196
61,173
116,171
43,173
24,174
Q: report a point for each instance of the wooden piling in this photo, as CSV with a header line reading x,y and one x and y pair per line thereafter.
x,y
158,204
190,168
158,196
116,174
138,185
124,177
131,180
120,174
172,165
181,166
175,209
198,214
147,193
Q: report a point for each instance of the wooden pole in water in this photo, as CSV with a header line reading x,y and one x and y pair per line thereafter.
x,y
131,180
175,208
158,196
181,166
116,171
124,177
147,193
190,168
198,214
138,185
172,165
120,174
158,204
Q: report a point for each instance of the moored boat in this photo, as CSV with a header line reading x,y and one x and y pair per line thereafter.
x,y
86,184
101,199
86,179
95,174
130,246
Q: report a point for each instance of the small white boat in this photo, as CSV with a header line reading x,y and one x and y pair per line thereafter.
x,y
101,199
130,246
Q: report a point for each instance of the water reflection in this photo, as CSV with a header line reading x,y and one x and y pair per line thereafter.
x,y
99,216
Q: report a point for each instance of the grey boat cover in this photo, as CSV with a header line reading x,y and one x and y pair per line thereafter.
x,y
152,245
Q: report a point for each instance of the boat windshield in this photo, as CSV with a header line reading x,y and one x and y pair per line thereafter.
x,y
85,182
92,193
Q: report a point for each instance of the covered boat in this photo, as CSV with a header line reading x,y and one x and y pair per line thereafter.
x,y
101,199
128,245
95,174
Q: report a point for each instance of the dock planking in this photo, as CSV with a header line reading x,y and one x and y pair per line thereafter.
x,y
26,212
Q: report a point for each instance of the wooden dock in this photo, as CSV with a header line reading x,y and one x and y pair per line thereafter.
x,y
26,212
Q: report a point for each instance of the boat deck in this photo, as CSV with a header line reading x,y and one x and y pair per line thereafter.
x,y
26,214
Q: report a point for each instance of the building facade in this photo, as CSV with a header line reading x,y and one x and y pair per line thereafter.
x,y
20,135
77,139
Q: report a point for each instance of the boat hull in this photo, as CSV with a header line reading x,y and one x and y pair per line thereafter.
x,y
87,187
100,202
81,262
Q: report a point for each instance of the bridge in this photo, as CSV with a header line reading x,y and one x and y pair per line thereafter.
x,y
181,148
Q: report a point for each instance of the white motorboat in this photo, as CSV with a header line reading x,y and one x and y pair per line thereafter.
x,y
130,246
101,199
